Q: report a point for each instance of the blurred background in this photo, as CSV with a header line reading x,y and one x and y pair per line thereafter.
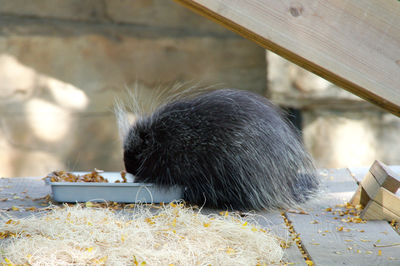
x,y
62,62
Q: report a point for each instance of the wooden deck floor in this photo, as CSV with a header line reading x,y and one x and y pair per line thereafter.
x,y
327,235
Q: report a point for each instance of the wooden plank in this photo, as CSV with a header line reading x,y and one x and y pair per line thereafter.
x,y
354,44
351,246
274,221
358,173
22,192
380,203
328,244
384,206
385,176
360,197
356,199
389,200
337,187
375,211
370,185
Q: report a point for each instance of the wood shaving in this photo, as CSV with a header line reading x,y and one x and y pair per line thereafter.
x,y
172,234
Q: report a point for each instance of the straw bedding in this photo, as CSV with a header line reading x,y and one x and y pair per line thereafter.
x,y
170,235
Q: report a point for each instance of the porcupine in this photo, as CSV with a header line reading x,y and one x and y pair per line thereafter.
x,y
228,149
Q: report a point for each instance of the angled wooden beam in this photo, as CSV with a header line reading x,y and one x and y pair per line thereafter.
x,y
377,193
354,44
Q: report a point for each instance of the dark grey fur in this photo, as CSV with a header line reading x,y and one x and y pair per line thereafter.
x,y
228,148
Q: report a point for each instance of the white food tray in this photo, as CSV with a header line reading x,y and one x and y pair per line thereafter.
x,y
118,192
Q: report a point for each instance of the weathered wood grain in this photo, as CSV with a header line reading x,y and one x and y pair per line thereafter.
x,y
375,211
337,187
389,200
354,44
351,246
385,176
358,173
370,185
22,192
274,222
329,240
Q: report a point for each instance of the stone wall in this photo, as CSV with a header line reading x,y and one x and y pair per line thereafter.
x,y
62,62
339,128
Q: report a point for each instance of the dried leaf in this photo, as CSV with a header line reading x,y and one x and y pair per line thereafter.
x,y
230,250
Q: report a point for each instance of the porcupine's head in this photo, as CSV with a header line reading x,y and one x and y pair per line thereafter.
x,y
148,140
134,134
142,155
136,143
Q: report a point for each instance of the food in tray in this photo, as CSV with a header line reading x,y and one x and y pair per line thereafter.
x,y
94,176
100,186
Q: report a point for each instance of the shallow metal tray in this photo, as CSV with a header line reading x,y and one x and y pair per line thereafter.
x,y
118,192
